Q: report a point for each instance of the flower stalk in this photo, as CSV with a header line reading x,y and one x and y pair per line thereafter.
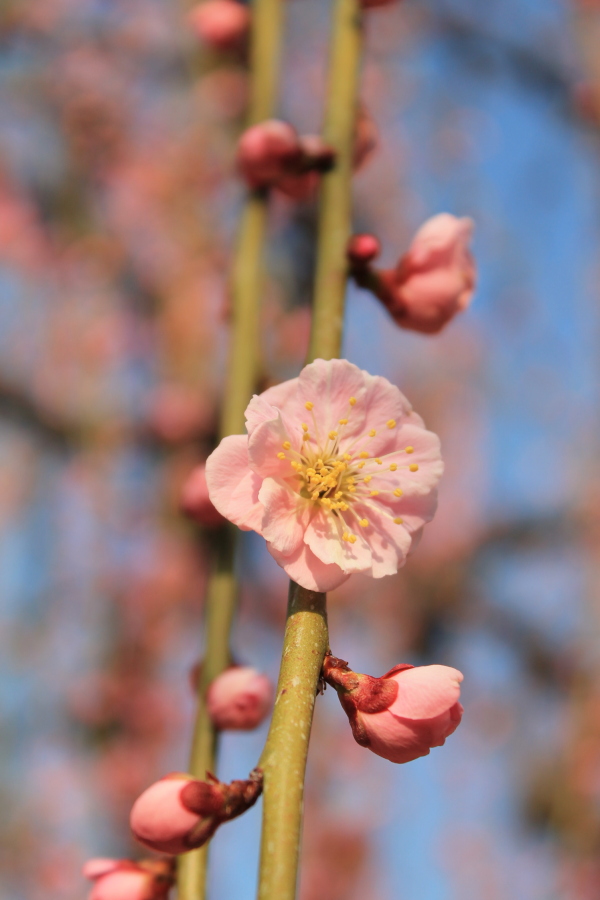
x,y
246,289
306,638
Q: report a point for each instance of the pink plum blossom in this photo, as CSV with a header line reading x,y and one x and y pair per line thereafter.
x,y
221,24
337,473
179,812
239,698
123,879
434,280
401,715
195,501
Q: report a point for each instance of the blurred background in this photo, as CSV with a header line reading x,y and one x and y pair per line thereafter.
x,y
118,211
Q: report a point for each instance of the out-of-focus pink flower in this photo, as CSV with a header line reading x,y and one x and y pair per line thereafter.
x,y
123,879
176,413
222,24
401,715
195,501
239,698
366,137
272,154
434,280
371,4
179,813
337,473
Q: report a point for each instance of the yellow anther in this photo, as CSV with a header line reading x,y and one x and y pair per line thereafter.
x,y
310,472
304,426
347,456
398,520
350,480
345,536
308,405
391,423
379,462
352,488
344,507
360,465
332,435
367,478
352,538
319,464
306,436
414,467
398,492
286,445
364,523
393,467
343,421
352,401
338,495
409,449
363,454
372,432
281,456
374,494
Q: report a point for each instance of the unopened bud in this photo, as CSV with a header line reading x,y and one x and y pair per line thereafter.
x,y
123,879
363,248
239,698
403,714
179,813
267,152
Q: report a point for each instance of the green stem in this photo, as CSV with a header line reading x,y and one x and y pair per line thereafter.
x,y
335,210
246,289
284,758
306,639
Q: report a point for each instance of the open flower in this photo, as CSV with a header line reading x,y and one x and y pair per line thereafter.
x,y
179,812
401,715
432,282
337,473
123,879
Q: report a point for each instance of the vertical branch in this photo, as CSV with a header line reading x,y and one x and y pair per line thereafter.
x,y
306,638
246,289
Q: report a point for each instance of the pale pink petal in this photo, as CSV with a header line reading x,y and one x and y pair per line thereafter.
x,y
160,820
426,691
308,571
94,868
385,405
123,885
399,741
324,537
232,485
329,385
266,446
286,516
389,542
259,410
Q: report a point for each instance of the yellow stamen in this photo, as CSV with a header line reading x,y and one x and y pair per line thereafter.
x,y
352,401
409,449
374,494
393,467
414,467
304,426
352,538
308,405
363,454
379,462
398,492
364,523
391,423
306,437
343,421
332,435
281,456
286,445
360,465
398,521
367,478
372,432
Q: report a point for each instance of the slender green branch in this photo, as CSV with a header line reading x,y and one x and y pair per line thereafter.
x,y
284,758
306,639
246,289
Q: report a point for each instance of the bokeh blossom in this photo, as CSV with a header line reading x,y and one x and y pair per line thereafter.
x,y
431,283
337,473
403,714
239,698
195,501
123,879
179,812
221,24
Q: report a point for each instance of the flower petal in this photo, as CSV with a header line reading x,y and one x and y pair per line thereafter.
x,y
286,515
329,385
426,691
233,487
324,537
265,444
307,570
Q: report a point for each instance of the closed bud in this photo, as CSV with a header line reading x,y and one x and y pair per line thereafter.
x,y
195,501
179,813
362,249
239,698
221,24
403,714
123,879
268,152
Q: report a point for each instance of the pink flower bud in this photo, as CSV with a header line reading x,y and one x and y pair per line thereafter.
x,y
179,813
221,24
268,152
195,501
363,248
434,280
122,879
401,715
239,698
